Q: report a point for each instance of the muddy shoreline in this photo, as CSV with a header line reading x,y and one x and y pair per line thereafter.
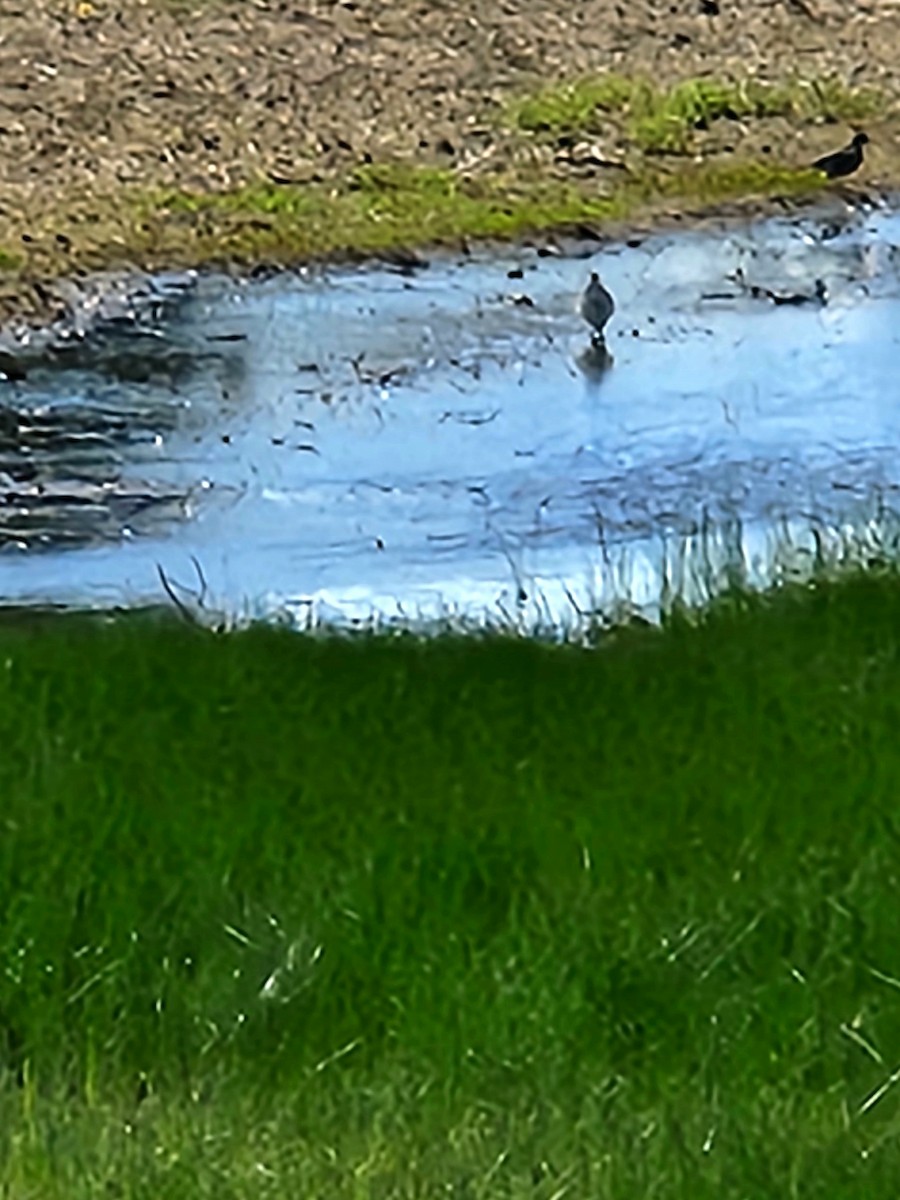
x,y
110,113
44,317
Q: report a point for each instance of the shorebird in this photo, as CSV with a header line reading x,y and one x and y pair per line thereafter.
x,y
843,162
597,306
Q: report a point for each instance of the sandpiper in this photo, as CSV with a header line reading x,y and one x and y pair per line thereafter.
x,y
597,305
843,162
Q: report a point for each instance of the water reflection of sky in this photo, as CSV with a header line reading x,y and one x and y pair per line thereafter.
x,y
359,441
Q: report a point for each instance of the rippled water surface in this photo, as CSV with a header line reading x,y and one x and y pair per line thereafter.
x,y
421,443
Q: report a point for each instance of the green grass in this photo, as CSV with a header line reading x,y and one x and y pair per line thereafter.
x,y
385,206
388,206
666,120
377,208
285,917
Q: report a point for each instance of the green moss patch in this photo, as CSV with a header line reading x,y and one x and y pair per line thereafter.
x,y
383,207
666,119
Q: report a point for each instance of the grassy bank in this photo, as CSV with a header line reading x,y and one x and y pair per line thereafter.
x,y
375,209
285,917
601,151
656,134
393,207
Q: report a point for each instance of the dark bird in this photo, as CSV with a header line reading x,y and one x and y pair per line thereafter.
x,y
597,305
843,162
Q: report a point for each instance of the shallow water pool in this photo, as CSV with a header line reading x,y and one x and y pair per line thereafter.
x,y
443,443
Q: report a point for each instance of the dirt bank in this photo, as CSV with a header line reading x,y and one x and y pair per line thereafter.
x,y
110,112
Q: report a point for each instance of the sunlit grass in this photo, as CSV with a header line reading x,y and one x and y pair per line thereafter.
x,y
388,206
574,107
657,119
377,208
293,917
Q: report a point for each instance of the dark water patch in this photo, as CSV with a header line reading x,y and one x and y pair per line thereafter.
x,y
84,415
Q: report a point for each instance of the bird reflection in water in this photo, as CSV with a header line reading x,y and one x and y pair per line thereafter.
x,y
594,360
